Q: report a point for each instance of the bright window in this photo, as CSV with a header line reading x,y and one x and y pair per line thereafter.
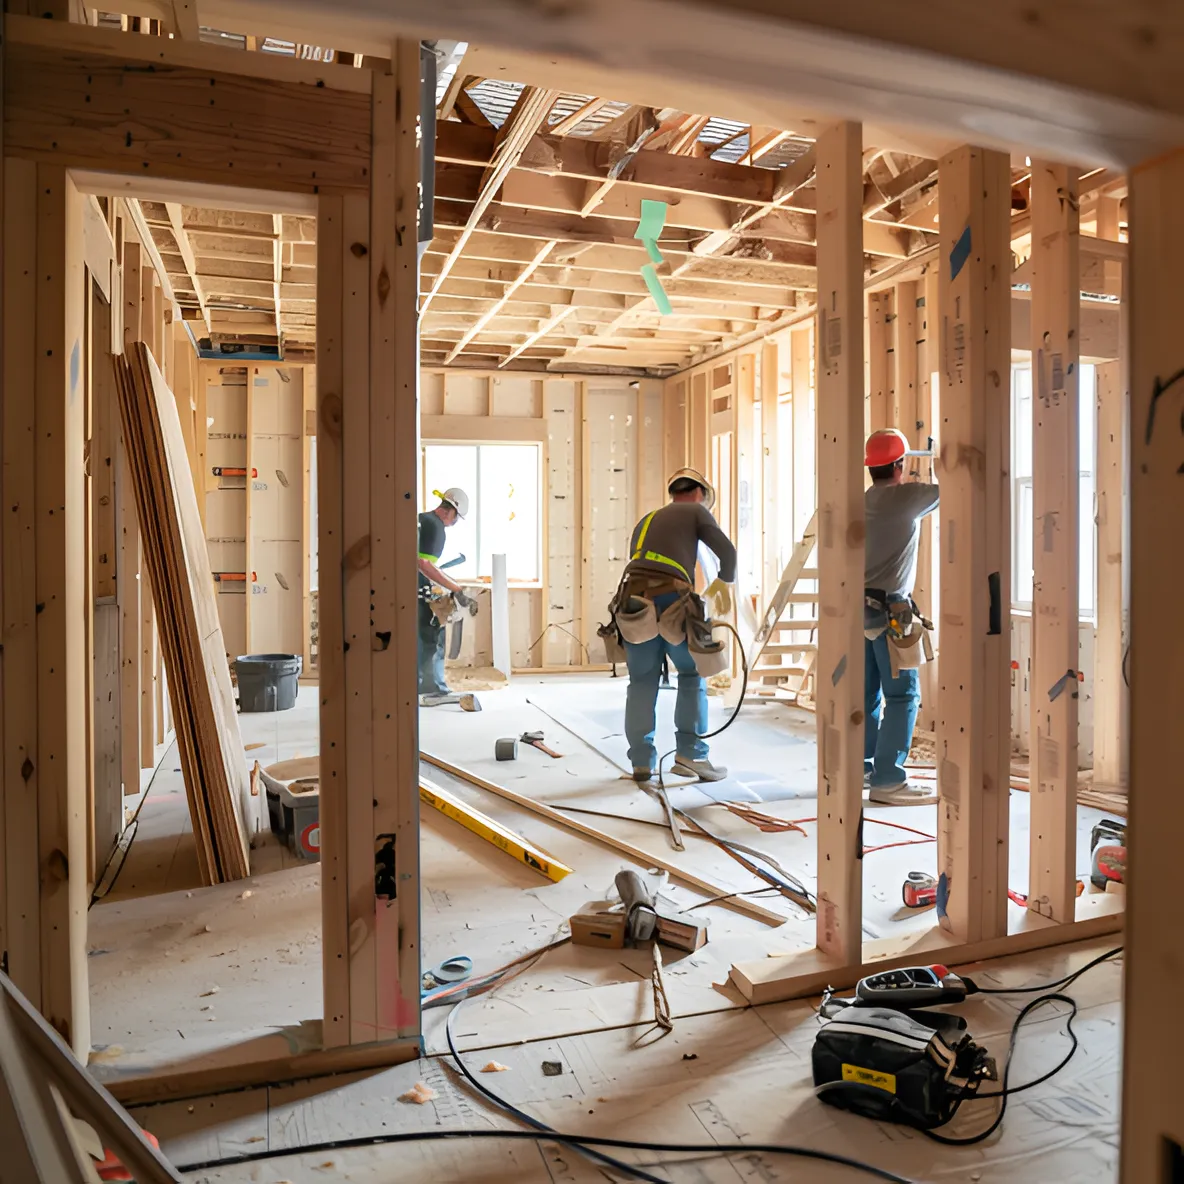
x,y
505,508
1021,470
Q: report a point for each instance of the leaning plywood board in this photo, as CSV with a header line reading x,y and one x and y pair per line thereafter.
x,y
216,781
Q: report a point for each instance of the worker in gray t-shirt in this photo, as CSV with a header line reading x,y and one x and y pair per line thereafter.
x,y
894,509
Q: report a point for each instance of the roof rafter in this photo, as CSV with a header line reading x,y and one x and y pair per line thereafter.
x,y
523,122
177,223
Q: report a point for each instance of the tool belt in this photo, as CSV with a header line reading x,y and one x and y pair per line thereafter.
x,y
634,619
907,629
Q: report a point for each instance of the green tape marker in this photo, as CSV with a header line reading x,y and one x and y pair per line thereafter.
x,y
652,248
656,290
653,220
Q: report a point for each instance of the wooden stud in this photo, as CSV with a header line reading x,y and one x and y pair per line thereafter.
x,y
1055,466
880,361
841,540
145,326
923,434
973,710
356,576
394,461
1152,1119
61,598
18,571
904,360
332,252
771,467
1110,632
805,443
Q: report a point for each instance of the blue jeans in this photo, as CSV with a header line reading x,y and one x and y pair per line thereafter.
x,y
886,741
641,701
431,653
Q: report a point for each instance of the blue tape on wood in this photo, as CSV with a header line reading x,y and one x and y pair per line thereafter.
x,y
960,253
839,671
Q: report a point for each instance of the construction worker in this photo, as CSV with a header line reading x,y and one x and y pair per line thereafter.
x,y
454,504
657,589
892,691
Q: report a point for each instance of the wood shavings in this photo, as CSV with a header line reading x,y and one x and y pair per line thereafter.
x,y
246,895
495,1067
419,1093
206,994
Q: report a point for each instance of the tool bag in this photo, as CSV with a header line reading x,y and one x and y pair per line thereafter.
x,y
909,644
911,1067
610,637
711,655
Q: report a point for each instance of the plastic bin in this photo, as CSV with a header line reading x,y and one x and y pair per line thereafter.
x,y
267,682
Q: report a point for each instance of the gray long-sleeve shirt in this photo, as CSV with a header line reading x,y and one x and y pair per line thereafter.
x,y
675,532
894,514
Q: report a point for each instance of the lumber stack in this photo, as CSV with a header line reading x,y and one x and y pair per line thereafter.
x,y
217,784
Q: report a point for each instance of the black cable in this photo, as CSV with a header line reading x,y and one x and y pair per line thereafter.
x,y
1005,1091
974,989
578,1141
530,1120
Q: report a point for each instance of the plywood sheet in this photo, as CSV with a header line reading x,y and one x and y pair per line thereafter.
x,y
217,786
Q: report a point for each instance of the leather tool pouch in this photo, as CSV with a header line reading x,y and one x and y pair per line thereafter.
x,y
711,654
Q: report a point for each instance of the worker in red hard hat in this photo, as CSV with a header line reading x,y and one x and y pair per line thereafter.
x,y
892,623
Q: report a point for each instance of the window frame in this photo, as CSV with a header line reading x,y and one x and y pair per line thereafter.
x,y
427,501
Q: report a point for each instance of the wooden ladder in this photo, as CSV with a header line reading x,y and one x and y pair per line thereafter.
x,y
781,667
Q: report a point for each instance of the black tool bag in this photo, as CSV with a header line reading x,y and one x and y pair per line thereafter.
x,y
911,1067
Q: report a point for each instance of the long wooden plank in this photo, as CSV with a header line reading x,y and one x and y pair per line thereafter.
x,y
18,570
839,371
773,496
331,253
191,635
61,596
1109,690
1152,1118
71,106
640,856
394,449
880,362
772,980
1056,316
973,716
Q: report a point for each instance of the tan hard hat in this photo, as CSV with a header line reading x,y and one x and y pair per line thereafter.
x,y
689,474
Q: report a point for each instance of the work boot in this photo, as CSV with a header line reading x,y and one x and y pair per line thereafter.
x,y
902,794
704,770
436,698
643,775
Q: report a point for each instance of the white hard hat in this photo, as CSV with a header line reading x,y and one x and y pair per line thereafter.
x,y
456,498
698,478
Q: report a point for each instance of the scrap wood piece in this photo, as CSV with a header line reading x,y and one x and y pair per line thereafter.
x,y
646,859
217,784
492,831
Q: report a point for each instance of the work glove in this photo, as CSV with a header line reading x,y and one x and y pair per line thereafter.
x,y
462,598
719,597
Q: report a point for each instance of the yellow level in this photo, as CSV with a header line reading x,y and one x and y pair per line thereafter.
x,y
491,831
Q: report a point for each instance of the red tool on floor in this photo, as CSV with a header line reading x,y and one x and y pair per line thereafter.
x,y
920,891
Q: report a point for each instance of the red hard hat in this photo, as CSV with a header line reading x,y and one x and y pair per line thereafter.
x,y
885,447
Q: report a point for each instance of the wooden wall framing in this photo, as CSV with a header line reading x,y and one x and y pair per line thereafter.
x,y
973,709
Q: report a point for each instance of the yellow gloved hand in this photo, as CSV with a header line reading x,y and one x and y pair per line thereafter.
x,y
719,597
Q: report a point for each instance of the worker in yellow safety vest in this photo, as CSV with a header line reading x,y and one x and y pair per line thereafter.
x,y
658,615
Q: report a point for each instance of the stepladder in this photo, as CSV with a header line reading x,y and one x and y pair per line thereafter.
x,y
782,655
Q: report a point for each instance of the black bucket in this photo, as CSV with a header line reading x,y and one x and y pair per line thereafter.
x,y
267,682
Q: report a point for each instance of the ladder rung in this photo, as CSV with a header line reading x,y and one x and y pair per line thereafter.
x,y
804,648
802,598
808,573
776,671
810,623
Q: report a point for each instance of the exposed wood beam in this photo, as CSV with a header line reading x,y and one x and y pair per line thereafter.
x,y
176,224
689,137
537,335
570,122
758,148
466,107
515,134
149,243
882,196
278,273
185,20
492,312
448,102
